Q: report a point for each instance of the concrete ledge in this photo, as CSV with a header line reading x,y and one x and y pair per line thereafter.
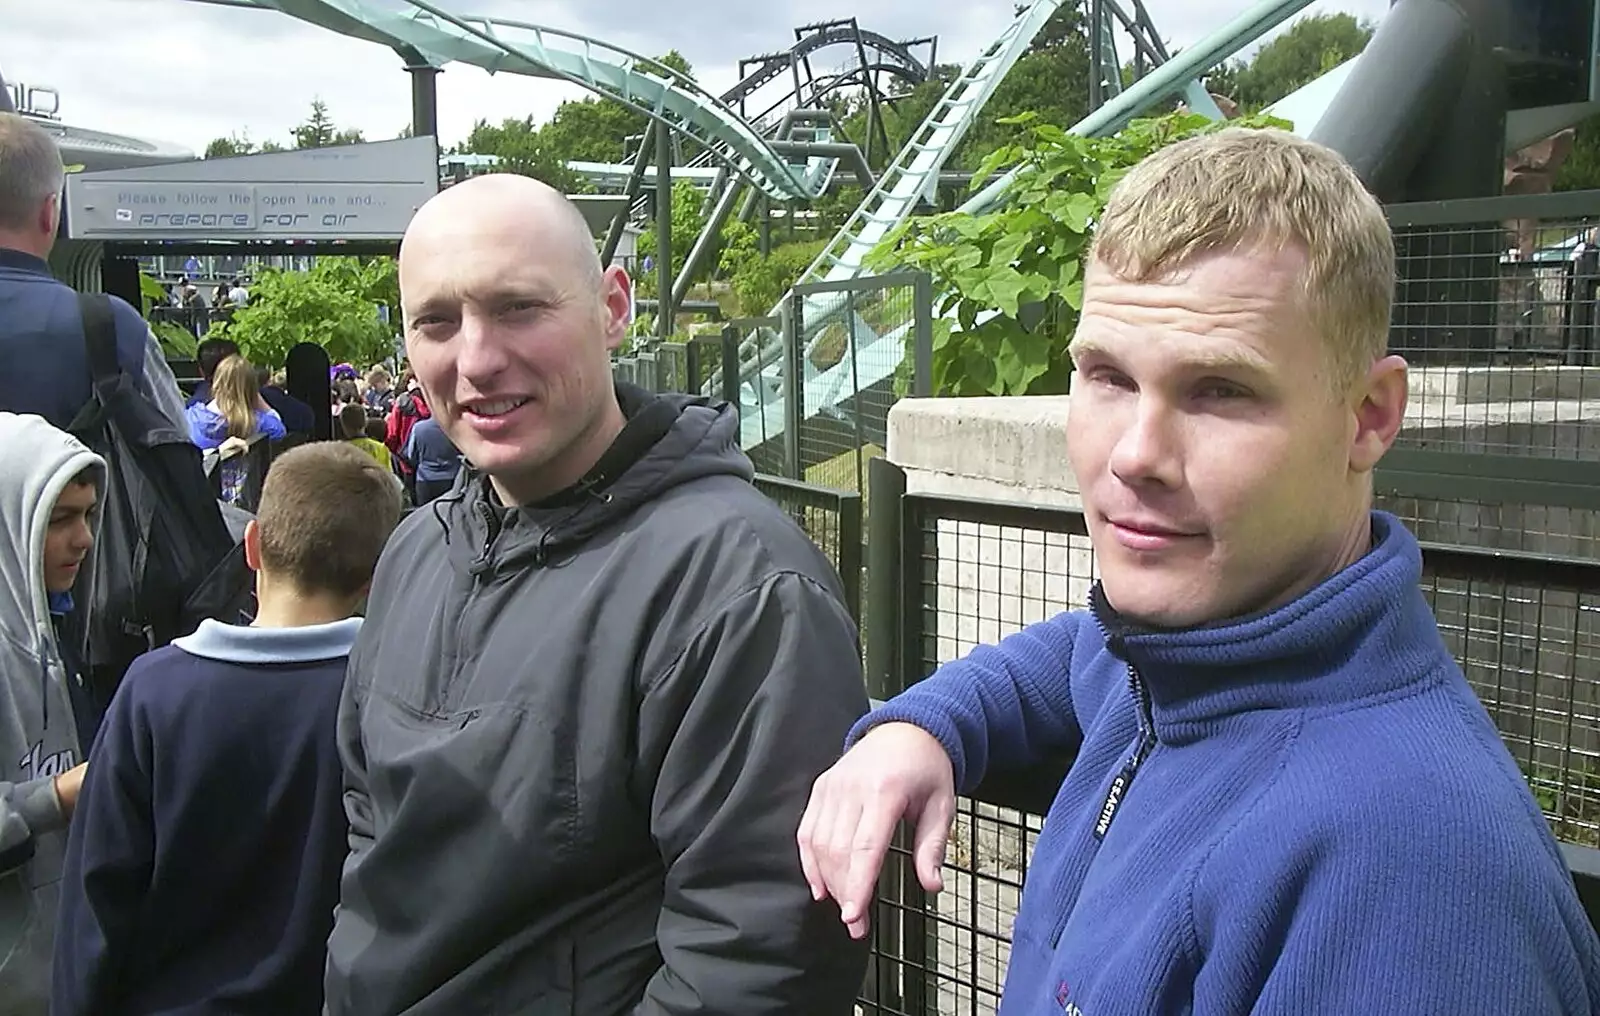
x,y
1012,449
1479,385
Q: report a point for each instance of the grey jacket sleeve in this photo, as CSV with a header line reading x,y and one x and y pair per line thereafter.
x,y
161,386
27,810
751,712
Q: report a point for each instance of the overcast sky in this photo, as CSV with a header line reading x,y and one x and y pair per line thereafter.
x,y
187,72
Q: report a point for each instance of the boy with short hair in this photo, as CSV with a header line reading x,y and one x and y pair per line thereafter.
x,y
202,870
353,422
49,511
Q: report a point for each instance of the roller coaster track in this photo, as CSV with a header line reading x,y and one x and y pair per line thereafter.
x,y
916,169
498,44
894,57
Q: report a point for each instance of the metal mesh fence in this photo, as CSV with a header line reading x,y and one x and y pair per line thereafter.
x,y
1527,633
1525,627
850,361
1496,311
973,574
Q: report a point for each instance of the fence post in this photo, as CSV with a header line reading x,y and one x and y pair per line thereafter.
x,y
850,551
886,485
922,341
794,357
730,366
693,383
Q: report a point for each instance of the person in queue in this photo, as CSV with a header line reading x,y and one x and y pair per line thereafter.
x,y
1286,798
42,341
596,679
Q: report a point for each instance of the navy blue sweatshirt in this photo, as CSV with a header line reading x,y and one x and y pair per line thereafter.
x,y
202,868
1302,812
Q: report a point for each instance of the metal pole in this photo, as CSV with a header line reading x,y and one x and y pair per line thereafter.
x,y
664,308
641,161
1097,54
424,93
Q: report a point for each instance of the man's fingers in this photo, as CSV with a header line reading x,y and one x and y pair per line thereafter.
x,y
873,831
808,856
929,841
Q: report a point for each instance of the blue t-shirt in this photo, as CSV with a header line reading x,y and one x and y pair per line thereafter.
x,y
430,451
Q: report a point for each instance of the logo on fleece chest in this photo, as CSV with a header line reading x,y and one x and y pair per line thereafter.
x,y
36,765
1064,1000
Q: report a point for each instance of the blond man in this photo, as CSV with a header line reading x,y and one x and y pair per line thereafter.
x,y
1286,798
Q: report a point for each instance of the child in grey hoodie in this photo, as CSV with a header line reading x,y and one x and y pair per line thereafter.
x,y
49,512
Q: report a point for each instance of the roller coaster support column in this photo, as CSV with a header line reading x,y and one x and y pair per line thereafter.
x,y
665,309
424,93
1385,117
641,162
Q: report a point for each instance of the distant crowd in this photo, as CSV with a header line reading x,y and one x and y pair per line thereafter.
x,y
236,402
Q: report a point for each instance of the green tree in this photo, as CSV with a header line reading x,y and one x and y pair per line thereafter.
x,y
590,130
1014,277
335,305
1310,48
688,222
1050,81
758,282
233,144
318,130
521,148
1581,171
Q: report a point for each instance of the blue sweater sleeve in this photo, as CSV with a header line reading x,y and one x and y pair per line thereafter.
x,y
107,869
1008,705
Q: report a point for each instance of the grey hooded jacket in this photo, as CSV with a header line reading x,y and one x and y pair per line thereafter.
x,y
38,739
579,740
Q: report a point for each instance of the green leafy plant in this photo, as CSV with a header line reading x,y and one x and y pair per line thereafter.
x,y
758,282
335,304
1012,279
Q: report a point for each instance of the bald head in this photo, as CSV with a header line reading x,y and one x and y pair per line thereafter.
x,y
506,207
510,323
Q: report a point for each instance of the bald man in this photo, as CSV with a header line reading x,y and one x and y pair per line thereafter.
x,y
596,678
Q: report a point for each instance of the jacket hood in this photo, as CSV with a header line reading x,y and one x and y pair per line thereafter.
x,y
36,463
207,423
669,440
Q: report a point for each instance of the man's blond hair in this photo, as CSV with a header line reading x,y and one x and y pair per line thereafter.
x,y
1240,189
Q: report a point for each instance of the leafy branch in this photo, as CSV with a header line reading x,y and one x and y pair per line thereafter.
x,y
1012,280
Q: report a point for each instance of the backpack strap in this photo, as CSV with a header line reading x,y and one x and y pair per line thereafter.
x,y
100,341
100,336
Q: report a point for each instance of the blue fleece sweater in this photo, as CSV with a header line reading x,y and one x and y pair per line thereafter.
x,y
202,867
1301,812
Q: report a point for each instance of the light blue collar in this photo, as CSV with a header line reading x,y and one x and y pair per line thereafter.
x,y
233,643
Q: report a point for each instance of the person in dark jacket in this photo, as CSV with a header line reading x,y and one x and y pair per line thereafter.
x,y
434,459
202,869
595,681
42,347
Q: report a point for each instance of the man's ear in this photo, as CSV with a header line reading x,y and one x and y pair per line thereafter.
x,y
50,215
1380,409
616,291
252,545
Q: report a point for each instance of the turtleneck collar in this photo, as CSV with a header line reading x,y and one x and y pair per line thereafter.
x,y
1366,631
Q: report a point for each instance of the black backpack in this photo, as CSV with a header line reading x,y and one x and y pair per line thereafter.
x,y
165,558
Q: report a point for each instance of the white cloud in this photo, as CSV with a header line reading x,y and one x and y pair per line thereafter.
x,y
188,72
